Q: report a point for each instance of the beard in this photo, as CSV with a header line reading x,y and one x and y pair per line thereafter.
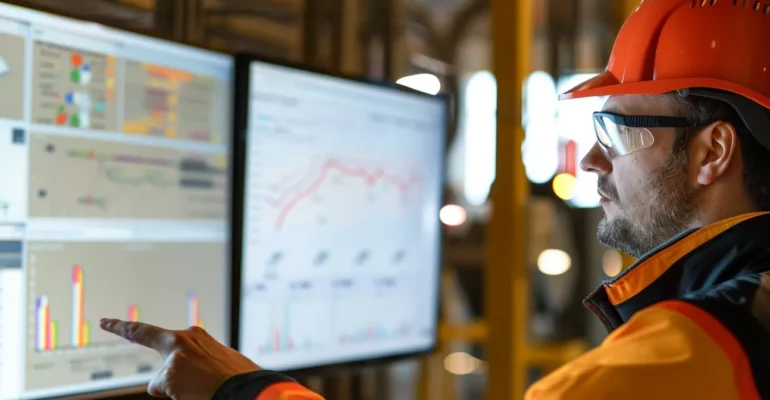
x,y
654,213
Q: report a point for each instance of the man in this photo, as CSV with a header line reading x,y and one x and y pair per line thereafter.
x,y
683,158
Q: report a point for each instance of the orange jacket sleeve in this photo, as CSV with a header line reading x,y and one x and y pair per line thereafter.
x,y
673,350
287,391
263,385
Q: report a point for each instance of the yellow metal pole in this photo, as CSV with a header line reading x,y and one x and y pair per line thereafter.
x,y
474,332
506,274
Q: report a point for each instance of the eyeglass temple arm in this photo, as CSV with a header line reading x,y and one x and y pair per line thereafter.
x,y
754,116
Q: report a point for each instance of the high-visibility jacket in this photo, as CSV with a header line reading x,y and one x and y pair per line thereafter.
x,y
689,320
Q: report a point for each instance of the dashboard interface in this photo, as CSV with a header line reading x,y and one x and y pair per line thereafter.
x,y
341,237
113,199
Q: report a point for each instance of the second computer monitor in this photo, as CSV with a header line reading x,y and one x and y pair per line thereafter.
x,y
337,231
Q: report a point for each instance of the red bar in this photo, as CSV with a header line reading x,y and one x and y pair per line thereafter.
x,y
277,340
47,323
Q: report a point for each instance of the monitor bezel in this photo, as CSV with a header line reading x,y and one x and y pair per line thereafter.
x,y
239,151
118,26
131,391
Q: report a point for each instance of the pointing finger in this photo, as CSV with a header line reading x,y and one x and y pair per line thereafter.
x,y
156,338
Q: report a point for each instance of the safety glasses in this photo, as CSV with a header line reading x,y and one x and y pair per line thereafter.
x,y
619,135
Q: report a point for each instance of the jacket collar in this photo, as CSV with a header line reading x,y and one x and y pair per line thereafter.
x,y
674,268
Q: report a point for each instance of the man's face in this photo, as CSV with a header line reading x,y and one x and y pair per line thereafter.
x,y
647,196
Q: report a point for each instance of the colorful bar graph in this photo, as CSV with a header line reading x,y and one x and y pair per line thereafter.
x,y
281,339
193,311
133,313
79,326
45,329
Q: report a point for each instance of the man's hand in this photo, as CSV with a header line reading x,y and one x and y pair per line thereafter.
x,y
195,363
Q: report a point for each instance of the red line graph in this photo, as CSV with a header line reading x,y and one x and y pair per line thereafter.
x,y
370,178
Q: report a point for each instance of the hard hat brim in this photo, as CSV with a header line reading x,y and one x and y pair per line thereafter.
x,y
606,84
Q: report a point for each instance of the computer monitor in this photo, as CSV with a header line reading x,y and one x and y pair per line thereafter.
x,y
338,186
114,201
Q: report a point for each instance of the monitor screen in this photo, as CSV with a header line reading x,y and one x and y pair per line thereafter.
x,y
339,241
113,199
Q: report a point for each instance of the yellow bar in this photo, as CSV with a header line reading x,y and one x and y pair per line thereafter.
x,y
86,335
53,335
507,275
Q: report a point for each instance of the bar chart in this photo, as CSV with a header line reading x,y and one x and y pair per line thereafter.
x,y
45,331
171,103
291,330
385,313
47,335
72,285
301,323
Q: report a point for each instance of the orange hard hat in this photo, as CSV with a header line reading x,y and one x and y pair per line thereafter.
x,y
669,45
708,48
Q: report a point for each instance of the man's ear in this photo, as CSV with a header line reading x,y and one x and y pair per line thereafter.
x,y
713,150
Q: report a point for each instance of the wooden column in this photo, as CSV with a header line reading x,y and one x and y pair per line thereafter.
x,y
352,45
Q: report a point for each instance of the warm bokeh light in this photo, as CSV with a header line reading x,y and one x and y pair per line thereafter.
x,y
564,186
612,263
554,262
426,83
453,215
461,363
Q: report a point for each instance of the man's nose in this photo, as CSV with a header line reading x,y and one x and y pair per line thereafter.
x,y
595,161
